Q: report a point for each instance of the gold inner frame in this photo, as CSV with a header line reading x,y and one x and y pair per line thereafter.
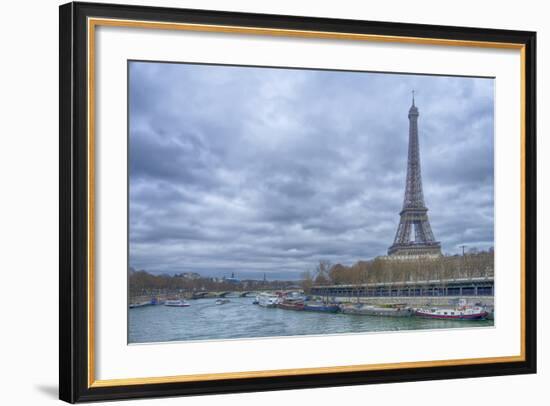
x,y
94,22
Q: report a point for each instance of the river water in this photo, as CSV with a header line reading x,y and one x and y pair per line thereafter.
x,y
204,320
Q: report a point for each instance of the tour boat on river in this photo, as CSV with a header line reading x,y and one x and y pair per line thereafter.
x,y
176,303
268,300
459,313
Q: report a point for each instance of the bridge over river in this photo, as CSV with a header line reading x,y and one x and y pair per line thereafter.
x,y
228,293
459,287
150,298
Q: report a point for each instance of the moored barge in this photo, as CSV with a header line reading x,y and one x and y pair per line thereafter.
x,y
291,304
371,310
321,307
462,313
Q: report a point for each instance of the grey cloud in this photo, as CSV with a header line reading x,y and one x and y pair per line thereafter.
x,y
253,170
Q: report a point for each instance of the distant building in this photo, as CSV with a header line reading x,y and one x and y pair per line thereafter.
x,y
232,279
189,275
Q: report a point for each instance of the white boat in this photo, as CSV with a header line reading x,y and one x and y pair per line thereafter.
x,y
176,303
268,300
222,301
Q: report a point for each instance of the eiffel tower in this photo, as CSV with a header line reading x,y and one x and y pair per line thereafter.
x,y
414,215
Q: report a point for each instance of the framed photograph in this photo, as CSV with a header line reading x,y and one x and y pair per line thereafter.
x,y
257,202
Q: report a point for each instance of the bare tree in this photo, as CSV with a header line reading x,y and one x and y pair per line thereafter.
x,y
322,272
307,281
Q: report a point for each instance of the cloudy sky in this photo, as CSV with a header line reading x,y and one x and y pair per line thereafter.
x,y
253,170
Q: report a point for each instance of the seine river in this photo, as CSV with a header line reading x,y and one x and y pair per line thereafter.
x,y
204,320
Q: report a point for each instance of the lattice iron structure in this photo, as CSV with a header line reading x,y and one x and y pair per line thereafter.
x,y
414,236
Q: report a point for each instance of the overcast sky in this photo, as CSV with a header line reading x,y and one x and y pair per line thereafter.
x,y
253,170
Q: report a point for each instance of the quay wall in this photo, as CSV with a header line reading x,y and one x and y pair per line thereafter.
x,y
417,301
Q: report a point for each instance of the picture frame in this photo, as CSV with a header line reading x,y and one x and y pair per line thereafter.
x,y
79,22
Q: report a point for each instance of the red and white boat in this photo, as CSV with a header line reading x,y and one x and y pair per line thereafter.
x,y
459,313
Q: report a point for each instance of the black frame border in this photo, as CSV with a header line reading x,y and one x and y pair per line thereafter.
x,y
73,202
